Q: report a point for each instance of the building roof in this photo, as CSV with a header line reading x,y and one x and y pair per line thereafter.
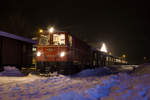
x,y
12,36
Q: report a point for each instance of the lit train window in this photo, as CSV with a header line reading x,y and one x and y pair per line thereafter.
x,y
70,40
107,59
94,62
44,40
59,39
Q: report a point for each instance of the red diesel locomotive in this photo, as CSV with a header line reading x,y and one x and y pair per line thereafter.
x,y
61,52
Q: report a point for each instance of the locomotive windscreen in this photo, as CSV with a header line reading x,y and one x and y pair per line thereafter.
x,y
58,39
44,40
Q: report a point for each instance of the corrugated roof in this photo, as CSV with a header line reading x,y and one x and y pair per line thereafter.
x,y
8,35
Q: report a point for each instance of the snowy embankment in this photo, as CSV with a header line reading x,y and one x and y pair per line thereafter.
x,y
124,67
86,85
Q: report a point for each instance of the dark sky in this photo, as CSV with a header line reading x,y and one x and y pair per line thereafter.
x,y
123,25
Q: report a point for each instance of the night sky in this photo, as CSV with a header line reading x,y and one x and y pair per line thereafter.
x,y
123,25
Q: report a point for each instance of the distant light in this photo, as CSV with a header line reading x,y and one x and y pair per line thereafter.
x,y
110,53
51,30
62,54
103,48
38,54
123,56
145,58
41,31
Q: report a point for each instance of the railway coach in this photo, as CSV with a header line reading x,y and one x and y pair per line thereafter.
x,y
15,50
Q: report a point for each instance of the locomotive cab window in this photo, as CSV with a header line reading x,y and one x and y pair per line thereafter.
x,y
59,39
44,40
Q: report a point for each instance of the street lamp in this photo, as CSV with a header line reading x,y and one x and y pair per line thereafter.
x,y
41,30
123,56
51,30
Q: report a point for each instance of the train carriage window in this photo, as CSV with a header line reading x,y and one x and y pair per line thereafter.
x,y
107,58
59,39
44,40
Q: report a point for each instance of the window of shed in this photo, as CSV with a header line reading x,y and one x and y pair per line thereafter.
x,y
59,39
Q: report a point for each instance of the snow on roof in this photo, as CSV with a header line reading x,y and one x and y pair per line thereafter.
x,y
8,35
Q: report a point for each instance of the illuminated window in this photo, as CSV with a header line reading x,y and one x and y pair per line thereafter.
x,y
107,58
94,62
59,39
44,40
55,39
70,40
62,39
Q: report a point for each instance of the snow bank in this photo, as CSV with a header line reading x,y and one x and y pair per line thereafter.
x,y
10,71
121,86
18,80
94,93
124,67
142,69
94,72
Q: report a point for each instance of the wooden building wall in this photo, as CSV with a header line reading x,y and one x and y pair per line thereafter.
x,y
15,53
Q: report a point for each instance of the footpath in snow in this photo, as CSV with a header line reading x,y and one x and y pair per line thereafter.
x,y
86,85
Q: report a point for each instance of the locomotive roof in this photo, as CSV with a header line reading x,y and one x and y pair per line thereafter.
x,y
8,35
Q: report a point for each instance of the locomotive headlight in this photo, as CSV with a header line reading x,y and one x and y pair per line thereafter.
x,y
62,54
38,54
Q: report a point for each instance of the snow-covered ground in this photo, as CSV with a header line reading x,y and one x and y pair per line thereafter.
x,y
86,85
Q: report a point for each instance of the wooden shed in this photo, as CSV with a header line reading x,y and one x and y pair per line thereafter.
x,y
15,50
